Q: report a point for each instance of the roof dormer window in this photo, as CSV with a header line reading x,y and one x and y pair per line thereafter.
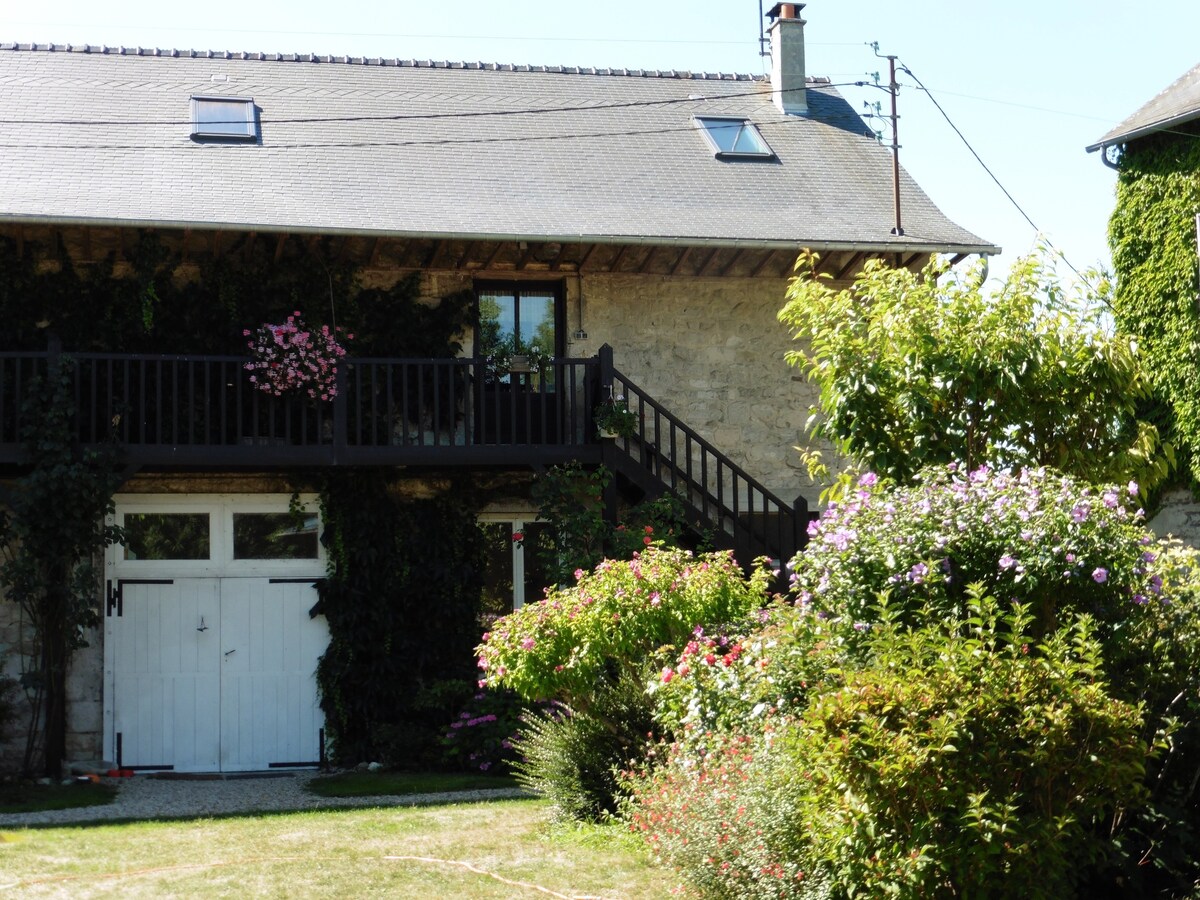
x,y
224,118
733,138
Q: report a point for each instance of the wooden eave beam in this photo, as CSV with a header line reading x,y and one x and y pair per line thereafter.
x,y
526,256
280,243
373,253
491,260
852,263
737,255
680,260
248,248
704,265
87,244
645,265
465,257
21,241
587,257
911,259
433,253
616,261
957,258
187,246
762,263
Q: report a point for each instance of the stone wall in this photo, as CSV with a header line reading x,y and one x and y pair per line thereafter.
x,y
1179,516
711,350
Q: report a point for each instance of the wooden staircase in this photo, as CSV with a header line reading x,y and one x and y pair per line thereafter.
x,y
721,499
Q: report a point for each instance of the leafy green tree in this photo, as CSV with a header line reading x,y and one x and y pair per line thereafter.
x,y
52,535
921,368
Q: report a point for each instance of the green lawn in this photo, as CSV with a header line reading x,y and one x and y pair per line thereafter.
x,y
504,849
378,784
23,798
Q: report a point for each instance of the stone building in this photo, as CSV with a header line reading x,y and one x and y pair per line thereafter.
x,y
622,234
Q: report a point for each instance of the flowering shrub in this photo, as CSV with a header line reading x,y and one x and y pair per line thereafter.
x,y
611,620
1038,536
291,357
481,737
952,761
718,818
733,684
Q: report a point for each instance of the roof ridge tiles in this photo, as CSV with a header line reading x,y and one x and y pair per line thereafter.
x,y
259,56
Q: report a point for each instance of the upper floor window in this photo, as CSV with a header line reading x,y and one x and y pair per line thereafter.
x,y
230,118
522,320
733,138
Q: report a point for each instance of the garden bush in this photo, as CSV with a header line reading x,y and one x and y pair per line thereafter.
x,y
980,673
480,738
960,760
580,638
1056,544
590,647
574,758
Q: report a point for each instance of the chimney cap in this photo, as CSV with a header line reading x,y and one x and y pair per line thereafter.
x,y
785,11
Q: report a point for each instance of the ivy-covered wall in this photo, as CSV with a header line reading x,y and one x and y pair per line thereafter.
x,y
156,301
1153,238
402,602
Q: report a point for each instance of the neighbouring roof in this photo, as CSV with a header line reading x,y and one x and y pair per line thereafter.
x,y
1175,104
100,135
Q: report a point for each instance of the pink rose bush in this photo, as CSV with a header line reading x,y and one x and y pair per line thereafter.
x,y
290,357
612,619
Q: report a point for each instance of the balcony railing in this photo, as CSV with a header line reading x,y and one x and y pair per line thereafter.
x,y
204,410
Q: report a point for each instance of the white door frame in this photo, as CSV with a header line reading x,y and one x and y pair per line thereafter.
x,y
220,564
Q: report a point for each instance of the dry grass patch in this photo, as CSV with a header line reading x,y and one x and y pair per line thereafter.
x,y
363,853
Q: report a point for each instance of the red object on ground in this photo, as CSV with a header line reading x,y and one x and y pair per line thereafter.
x,y
127,773
113,773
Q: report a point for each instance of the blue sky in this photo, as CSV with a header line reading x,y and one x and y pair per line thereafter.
x,y
1029,84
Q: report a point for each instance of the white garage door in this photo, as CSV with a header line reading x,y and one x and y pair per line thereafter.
x,y
211,647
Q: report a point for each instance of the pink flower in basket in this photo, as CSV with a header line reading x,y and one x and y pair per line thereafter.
x,y
290,357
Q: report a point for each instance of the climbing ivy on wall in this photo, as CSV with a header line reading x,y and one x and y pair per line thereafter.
x,y
145,308
1153,238
402,602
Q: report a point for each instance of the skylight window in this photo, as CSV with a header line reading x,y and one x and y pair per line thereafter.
x,y
733,138
227,118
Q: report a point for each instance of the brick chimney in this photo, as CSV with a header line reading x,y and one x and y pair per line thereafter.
x,y
787,58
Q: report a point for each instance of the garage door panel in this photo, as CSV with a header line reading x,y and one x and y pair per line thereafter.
x,y
215,669
166,674
269,707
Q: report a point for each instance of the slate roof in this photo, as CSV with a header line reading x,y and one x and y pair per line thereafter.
x,y
1175,104
92,135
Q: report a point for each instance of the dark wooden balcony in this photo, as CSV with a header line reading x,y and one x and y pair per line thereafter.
x,y
203,411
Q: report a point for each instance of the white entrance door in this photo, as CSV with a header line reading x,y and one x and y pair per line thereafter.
x,y
167,673
270,648
217,674
211,647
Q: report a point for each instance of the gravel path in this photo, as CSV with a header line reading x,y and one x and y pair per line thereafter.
x,y
150,798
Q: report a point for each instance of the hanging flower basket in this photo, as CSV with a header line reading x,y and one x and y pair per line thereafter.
x,y
291,358
614,418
